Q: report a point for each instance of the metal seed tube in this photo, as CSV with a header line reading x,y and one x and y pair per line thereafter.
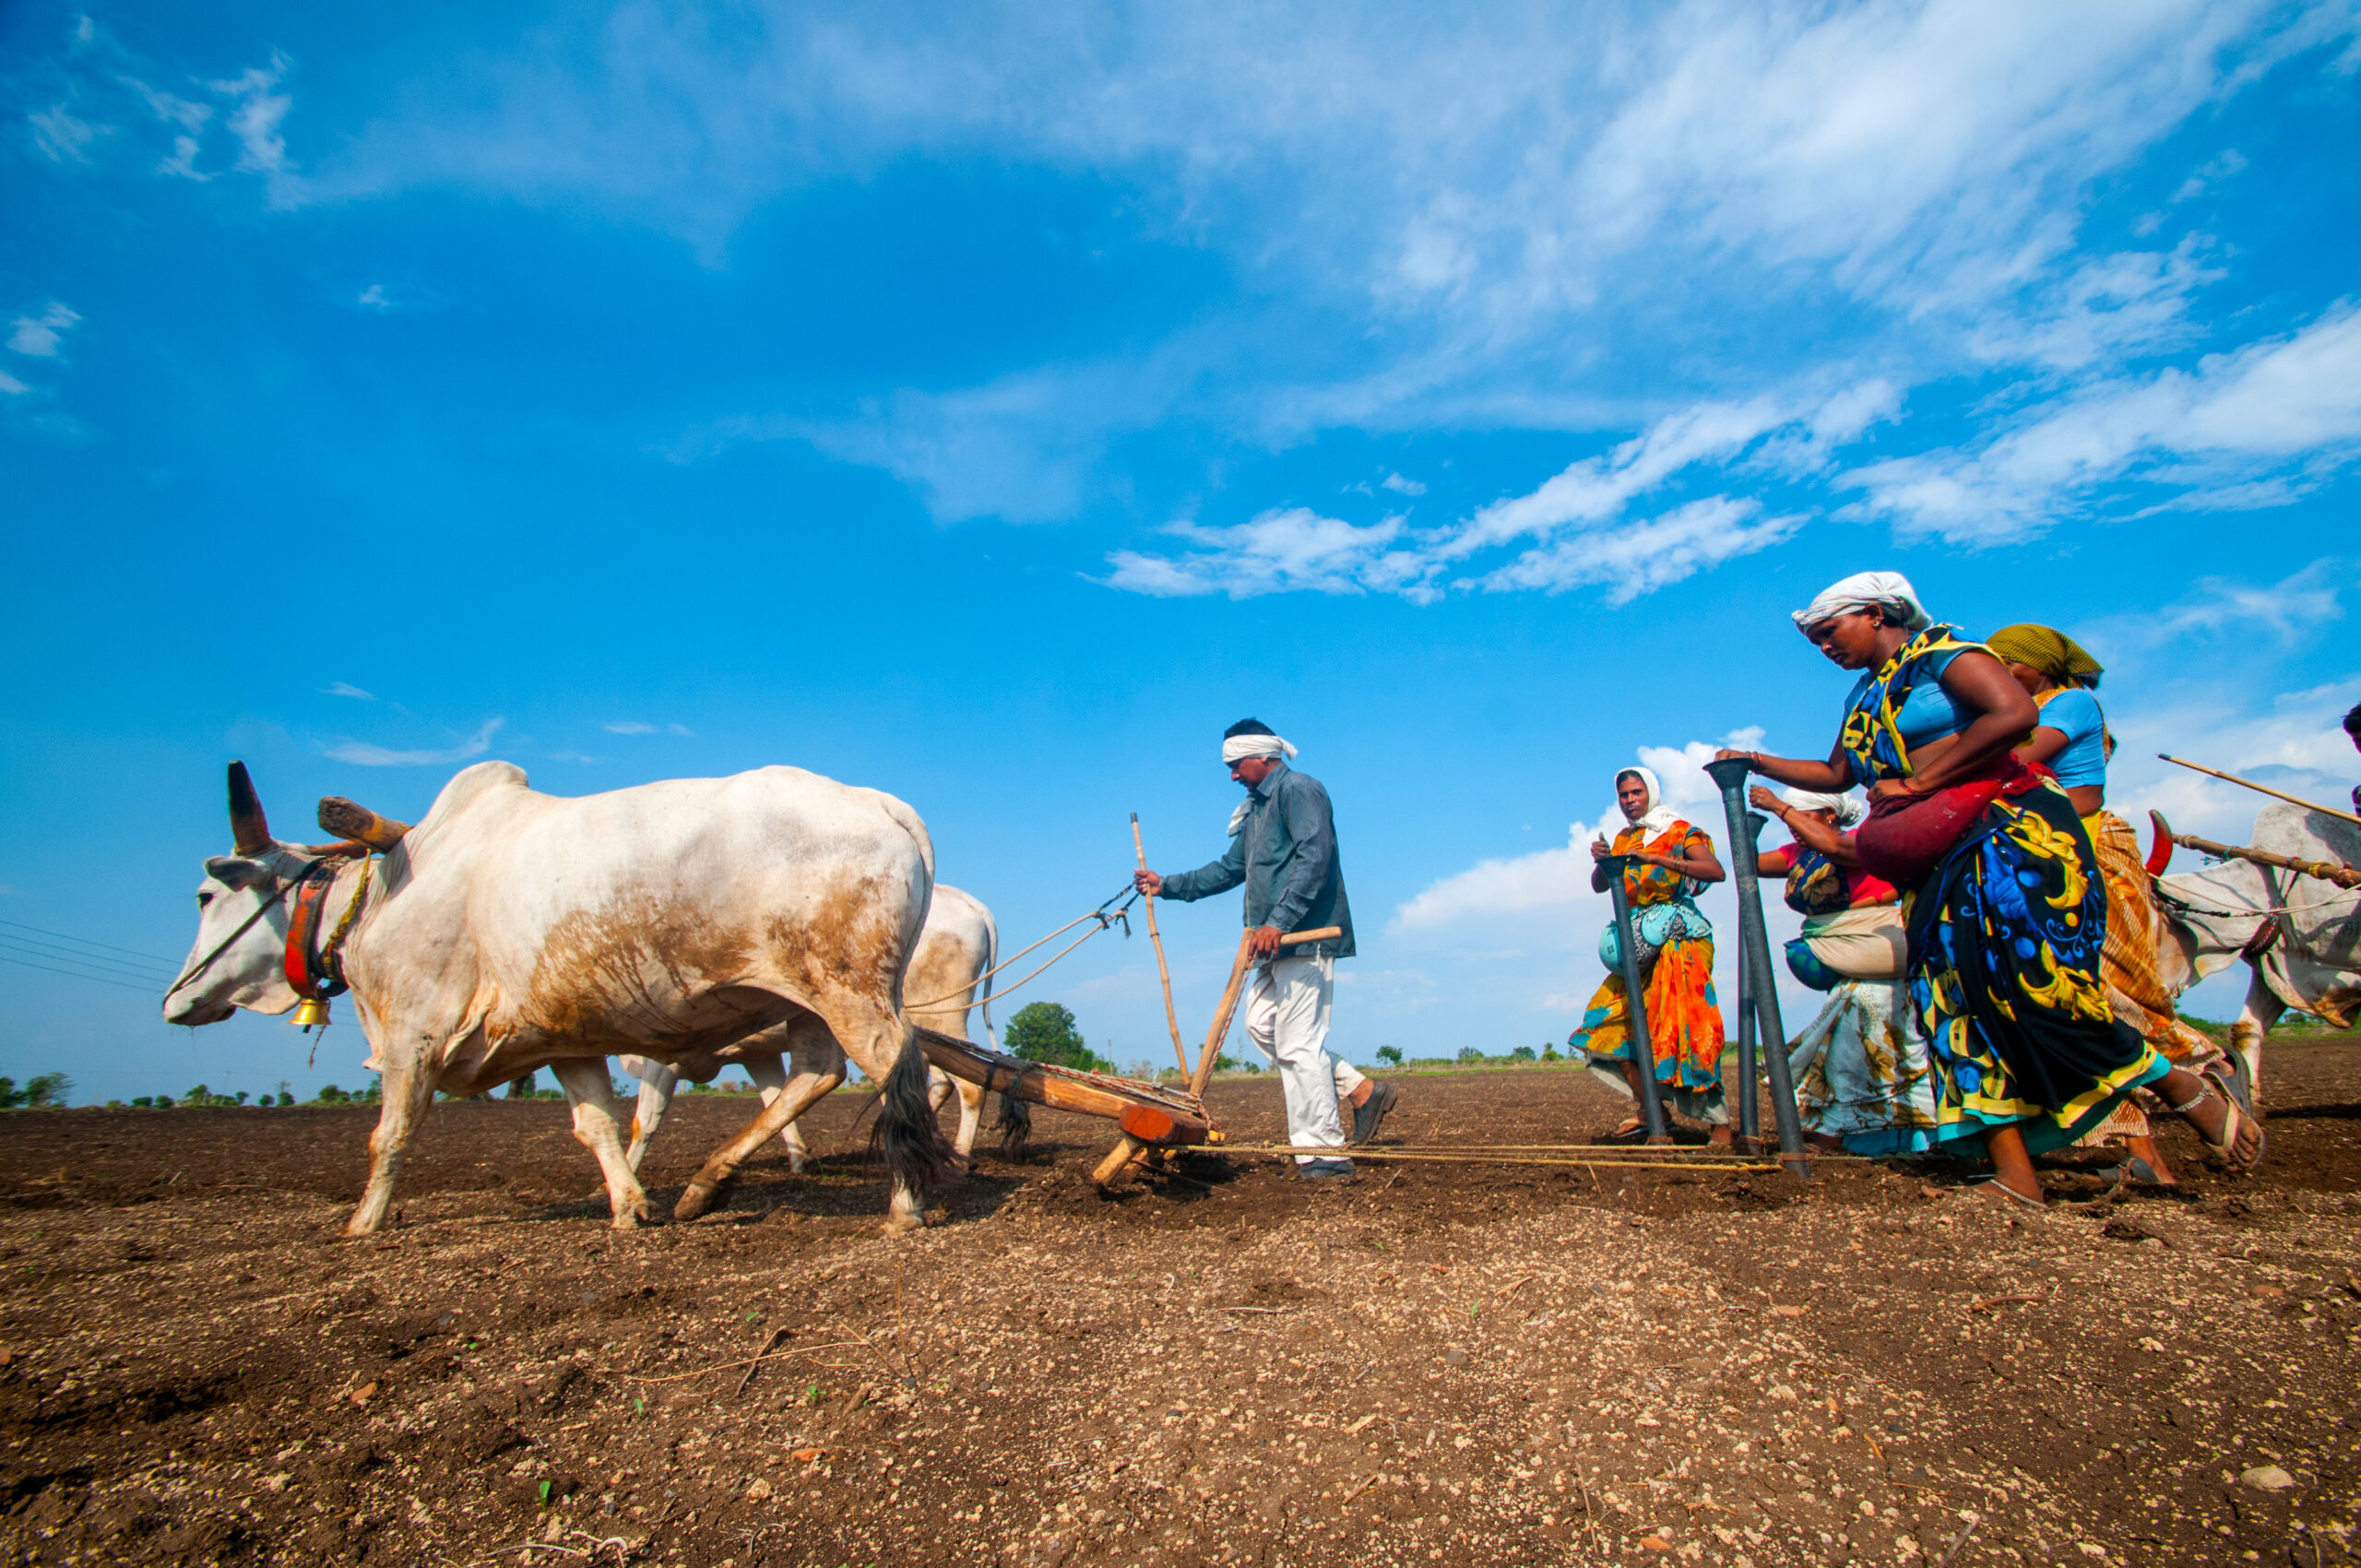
x,y
1635,1004
1754,953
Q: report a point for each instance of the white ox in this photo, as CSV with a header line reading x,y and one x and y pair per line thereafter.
x,y
511,931
955,950
2220,914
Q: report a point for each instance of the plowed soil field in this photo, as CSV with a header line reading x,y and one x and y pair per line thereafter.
x,y
1429,1363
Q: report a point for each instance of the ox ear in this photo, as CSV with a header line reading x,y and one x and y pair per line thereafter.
x,y
236,871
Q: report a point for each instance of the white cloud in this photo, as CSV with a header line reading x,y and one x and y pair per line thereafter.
x,y
11,386
1645,554
60,136
1519,884
2288,607
1578,517
344,689
367,755
1401,486
256,121
373,296
38,335
1278,552
2292,398
634,727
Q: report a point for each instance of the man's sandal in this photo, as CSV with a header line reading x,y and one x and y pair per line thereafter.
x,y
1633,1132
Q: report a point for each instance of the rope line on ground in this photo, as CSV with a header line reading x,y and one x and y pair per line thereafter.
x,y
1477,1157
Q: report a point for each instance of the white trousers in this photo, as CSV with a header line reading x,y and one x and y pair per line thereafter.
x,y
1287,1018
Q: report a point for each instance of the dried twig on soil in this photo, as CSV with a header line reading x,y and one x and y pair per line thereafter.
x,y
769,1346
1959,1543
1985,1303
731,1366
1271,1311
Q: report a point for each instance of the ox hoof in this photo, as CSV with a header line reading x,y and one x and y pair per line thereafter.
x,y
902,1224
695,1200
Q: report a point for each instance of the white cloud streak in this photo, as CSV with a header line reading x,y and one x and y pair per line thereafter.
x,y
364,754
39,336
2294,397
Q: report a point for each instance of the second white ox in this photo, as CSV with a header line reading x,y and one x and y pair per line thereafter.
x,y
511,931
956,951
2302,935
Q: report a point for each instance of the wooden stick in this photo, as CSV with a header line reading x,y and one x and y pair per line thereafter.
x,y
1171,1018
1212,1051
2265,789
1126,1149
1222,1014
2343,876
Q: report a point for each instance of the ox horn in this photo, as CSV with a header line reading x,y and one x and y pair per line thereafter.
x,y
2160,848
249,829
347,819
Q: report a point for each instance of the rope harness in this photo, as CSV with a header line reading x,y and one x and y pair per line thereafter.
x,y
1105,916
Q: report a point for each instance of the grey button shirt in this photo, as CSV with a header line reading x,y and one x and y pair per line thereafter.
x,y
1286,854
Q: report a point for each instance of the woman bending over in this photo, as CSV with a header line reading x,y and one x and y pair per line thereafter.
x,y
2007,911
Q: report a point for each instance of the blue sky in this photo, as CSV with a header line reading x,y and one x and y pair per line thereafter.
x,y
991,408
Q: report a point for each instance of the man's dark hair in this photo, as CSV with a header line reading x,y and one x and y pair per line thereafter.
x,y
1256,727
2353,720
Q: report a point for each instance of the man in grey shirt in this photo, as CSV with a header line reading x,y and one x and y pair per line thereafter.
x,y
1283,848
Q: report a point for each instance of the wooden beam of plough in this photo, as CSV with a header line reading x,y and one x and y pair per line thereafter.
x,y
1149,1114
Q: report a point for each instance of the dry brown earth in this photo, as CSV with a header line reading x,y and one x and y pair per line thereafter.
x,y
1433,1363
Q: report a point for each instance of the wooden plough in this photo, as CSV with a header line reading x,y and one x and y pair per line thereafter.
x,y
1149,1115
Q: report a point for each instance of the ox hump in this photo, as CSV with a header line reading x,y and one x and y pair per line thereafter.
x,y
472,784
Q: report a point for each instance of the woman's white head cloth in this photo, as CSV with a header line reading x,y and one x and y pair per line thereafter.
x,y
1867,590
1847,809
1658,817
1237,747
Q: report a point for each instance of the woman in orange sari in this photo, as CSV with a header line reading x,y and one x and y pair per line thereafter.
x,y
1667,863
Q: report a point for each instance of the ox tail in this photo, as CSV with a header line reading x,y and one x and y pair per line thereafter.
x,y
907,1132
1015,1126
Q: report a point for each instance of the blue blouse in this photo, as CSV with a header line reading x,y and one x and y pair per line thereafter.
x,y
1928,713
2075,713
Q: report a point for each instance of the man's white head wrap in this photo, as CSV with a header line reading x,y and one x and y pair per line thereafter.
x,y
1848,809
1868,592
1237,747
1658,817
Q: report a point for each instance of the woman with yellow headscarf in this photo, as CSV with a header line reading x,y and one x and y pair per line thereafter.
x,y
2070,737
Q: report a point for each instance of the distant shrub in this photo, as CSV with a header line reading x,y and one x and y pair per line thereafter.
x,y
1549,1054
286,1098
47,1091
1469,1055
1522,1053
1390,1054
1044,1031
331,1095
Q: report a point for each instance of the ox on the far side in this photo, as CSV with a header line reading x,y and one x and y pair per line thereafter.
x,y
510,931
2300,935
956,951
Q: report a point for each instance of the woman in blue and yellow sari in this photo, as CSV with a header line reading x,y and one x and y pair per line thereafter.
x,y
1667,863
2007,911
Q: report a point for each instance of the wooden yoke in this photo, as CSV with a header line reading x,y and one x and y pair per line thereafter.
x,y
349,819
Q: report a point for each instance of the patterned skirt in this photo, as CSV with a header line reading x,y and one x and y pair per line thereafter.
x,y
2006,938
1684,1029
1861,1072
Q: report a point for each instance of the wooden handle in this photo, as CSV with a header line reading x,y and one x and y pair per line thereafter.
x,y
1156,940
1212,1052
1324,933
